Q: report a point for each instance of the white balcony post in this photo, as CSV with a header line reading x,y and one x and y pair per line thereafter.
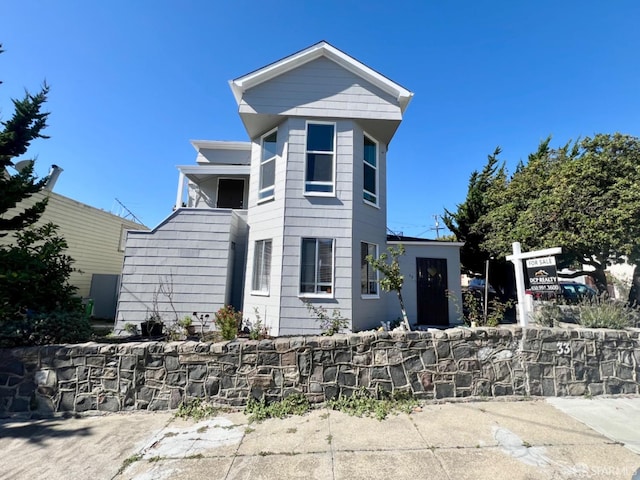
x,y
180,193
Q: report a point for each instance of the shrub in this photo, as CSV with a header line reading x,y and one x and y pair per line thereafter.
x,y
330,325
473,309
228,321
256,329
606,313
548,315
45,328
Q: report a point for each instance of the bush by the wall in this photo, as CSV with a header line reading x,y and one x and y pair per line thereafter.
x,y
45,328
606,313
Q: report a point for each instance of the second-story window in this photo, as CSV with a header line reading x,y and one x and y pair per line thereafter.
x,y
268,165
320,161
370,192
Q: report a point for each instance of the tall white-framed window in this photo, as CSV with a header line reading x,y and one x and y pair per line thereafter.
x,y
316,266
320,159
368,274
261,266
370,191
268,155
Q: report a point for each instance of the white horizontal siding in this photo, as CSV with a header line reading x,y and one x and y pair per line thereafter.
x,y
320,88
191,254
448,251
267,222
93,236
223,156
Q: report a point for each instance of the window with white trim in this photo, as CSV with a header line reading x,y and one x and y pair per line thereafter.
x,y
316,266
261,266
268,165
370,192
368,274
320,160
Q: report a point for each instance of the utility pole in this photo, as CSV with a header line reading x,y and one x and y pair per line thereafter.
x,y
437,227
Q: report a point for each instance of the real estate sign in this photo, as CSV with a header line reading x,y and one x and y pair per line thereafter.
x,y
542,273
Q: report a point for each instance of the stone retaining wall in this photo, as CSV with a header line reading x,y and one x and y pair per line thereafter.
x,y
460,362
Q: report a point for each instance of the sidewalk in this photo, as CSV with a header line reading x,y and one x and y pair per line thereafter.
x,y
453,441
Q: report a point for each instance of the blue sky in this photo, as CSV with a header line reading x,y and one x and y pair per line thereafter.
x,y
133,81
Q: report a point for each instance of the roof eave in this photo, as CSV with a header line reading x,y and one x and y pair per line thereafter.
x,y
220,145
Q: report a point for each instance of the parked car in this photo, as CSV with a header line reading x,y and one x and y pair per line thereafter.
x,y
570,292
478,284
574,292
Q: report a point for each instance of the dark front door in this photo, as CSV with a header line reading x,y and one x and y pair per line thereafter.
x,y
230,193
433,304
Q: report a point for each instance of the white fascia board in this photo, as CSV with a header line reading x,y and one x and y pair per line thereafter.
x,y
220,145
427,242
242,84
190,170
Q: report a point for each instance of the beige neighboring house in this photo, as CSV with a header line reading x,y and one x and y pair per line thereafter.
x,y
96,244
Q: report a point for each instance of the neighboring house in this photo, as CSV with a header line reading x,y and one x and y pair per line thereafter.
x,y
290,216
95,241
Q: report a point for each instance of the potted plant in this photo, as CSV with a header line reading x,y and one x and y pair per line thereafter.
x,y
152,327
187,323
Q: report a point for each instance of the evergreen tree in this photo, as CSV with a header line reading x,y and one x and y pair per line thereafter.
x,y
26,124
37,303
464,223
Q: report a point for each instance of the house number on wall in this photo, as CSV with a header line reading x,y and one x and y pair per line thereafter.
x,y
563,348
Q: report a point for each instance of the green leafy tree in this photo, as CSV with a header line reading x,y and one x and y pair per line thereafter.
x,y
389,265
583,197
466,226
464,222
34,272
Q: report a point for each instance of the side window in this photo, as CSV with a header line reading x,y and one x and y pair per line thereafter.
x,y
316,266
368,275
370,192
268,166
320,159
261,266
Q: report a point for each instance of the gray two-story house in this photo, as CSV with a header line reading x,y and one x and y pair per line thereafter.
x,y
289,217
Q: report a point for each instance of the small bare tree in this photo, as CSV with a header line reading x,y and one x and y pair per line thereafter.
x,y
393,279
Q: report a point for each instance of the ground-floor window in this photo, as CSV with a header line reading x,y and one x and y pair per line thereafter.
x,y
316,266
368,274
261,266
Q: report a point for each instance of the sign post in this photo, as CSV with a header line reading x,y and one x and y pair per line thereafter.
x,y
516,259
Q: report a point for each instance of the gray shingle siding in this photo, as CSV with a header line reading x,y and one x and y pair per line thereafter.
x,y
321,88
190,254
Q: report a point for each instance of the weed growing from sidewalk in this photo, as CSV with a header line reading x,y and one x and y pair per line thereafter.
x,y
294,404
128,461
196,409
362,403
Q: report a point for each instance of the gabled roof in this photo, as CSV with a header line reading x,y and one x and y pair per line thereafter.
x,y
320,49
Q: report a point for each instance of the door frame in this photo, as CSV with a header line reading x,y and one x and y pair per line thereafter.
x,y
421,287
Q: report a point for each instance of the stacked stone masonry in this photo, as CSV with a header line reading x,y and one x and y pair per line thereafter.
x,y
460,362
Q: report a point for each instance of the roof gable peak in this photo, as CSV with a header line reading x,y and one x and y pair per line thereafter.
x,y
318,50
